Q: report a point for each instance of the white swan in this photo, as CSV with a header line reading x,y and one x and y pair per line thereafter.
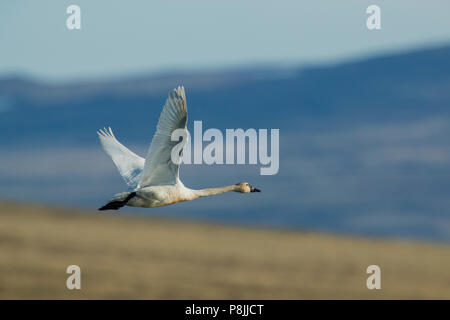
x,y
155,179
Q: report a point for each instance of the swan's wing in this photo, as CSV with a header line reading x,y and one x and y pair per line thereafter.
x,y
128,163
159,168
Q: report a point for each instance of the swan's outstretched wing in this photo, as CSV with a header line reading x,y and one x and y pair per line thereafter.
x,y
128,163
159,168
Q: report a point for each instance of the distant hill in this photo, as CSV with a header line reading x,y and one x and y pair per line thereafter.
x,y
364,144
403,86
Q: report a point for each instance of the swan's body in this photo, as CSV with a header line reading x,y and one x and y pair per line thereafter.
x,y
159,196
155,179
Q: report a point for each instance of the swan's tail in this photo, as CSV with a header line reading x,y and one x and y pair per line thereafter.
x,y
119,201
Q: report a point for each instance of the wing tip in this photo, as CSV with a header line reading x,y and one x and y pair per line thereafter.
x,y
178,92
181,92
105,132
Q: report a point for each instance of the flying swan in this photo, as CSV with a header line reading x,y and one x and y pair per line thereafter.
x,y
155,180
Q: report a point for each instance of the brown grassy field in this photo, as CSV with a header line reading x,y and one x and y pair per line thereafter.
x,y
140,258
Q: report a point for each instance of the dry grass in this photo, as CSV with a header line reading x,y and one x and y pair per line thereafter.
x,y
129,257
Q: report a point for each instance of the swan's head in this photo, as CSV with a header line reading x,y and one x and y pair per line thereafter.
x,y
245,187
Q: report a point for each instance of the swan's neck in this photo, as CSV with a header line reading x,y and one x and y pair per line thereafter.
x,y
212,191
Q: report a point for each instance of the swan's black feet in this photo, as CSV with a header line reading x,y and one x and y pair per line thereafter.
x,y
116,205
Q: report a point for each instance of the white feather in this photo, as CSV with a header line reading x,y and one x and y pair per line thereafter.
x,y
129,164
159,168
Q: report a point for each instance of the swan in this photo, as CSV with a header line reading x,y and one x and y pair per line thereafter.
x,y
155,180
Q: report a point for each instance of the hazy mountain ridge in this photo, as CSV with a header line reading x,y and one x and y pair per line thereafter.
x,y
395,87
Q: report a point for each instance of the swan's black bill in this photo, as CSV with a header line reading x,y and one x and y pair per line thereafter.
x,y
255,190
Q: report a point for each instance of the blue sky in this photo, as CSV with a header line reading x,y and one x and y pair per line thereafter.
x,y
132,37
